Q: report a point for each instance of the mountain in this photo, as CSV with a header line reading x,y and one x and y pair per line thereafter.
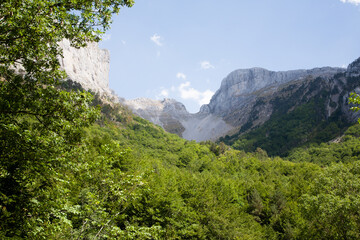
x,y
165,113
311,110
245,100
237,97
174,118
253,108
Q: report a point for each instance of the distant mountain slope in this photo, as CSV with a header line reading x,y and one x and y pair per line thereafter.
x,y
309,110
237,97
245,100
174,118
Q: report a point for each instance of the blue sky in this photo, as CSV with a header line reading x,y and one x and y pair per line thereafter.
x,y
183,49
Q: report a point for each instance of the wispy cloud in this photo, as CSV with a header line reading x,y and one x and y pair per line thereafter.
x,y
156,39
356,2
181,75
206,65
187,92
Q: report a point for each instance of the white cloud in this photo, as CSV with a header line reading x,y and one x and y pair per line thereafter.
x,y
187,92
156,39
206,97
123,42
206,65
356,2
164,93
181,75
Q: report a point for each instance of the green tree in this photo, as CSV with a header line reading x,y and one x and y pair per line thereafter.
x,y
355,99
41,124
332,205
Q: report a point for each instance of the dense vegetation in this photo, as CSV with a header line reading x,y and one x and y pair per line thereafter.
x,y
128,179
73,167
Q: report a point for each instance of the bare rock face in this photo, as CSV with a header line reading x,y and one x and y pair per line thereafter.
x,y
240,87
354,68
88,66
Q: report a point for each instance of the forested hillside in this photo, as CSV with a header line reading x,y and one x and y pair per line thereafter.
x,y
76,166
126,178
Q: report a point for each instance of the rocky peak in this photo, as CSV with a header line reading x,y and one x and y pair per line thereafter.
x,y
166,105
171,105
165,113
354,67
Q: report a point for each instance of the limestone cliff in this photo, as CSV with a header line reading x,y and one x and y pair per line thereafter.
x,y
240,88
88,66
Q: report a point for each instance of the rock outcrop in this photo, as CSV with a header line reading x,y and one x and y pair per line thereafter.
x,y
88,66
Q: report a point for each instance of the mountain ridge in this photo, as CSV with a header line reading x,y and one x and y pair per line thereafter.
x,y
246,99
231,106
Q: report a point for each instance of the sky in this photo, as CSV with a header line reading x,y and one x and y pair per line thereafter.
x,y
184,49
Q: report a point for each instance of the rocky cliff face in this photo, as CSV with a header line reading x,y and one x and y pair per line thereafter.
x,y
241,87
354,67
88,66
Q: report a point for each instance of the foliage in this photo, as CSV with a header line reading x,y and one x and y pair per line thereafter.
x,y
345,149
355,99
41,125
332,205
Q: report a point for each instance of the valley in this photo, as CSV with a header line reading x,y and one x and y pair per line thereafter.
x,y
273,155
